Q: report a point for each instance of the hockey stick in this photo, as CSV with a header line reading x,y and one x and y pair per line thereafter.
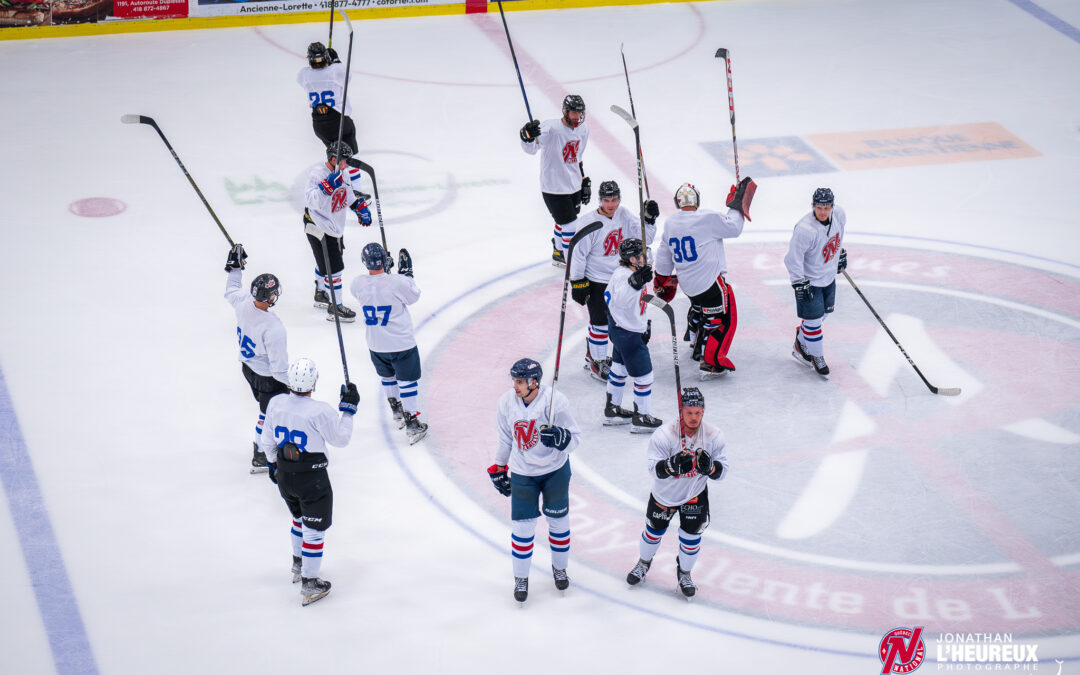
x,y
367,168
634,113
345,89
333,299
514,56
666,308
143,119
722,53
944,391
578,236
330,40
637,141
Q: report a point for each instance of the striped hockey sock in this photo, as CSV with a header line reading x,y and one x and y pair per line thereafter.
x,y
689,546
297,538
616,383
311,551
810,338
643,392
559,540
259,428
335,278
521,545
409,392
390,387
598,337
650,541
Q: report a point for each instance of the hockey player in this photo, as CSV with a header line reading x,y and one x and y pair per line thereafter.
x,y
384,299
561,143
324,81
629,336
815,256
680,460
328,197
595,257
296,451
263,349
694,254
537,450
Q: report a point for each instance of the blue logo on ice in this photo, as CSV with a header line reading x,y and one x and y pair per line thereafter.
x,y
767,157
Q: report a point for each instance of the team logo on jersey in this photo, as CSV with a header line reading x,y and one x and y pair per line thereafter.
x,y
641,300
570,152
337,200
901,650
612,241
525,434
831,247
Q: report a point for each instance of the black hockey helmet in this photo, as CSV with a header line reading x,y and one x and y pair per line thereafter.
x,y
693,398
266,288
338,149
629,248
527,369
822,197
374,256
609,188
573,103
318,56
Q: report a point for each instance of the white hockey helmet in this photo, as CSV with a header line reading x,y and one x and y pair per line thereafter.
x,y
687,195
302,375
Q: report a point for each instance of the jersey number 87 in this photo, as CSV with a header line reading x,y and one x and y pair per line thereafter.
x,y
370,317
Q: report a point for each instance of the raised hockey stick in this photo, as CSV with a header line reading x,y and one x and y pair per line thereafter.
x,y
334,303
578,236
722,53
634,113
143,119
637,142
367,168
330,40
944,391
510,42
666,308
345,89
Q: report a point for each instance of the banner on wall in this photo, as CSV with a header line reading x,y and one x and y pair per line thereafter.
x,y
55,12
232,8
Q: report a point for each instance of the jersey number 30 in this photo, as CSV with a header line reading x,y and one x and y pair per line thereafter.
x,y
683,249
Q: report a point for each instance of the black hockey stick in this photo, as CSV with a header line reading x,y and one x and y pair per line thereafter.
x,y
637,142
143,119
666,308
578,236
944,391
330,40
722,53
345,89
634,113
367,168
514,56
333,300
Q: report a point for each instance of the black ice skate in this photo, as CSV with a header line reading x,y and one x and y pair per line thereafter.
x,y
322,300
820,367
562,582
643,423
414,428
598,369
297,564
521,589
345,315
258,460
557,257
313,590
686,584
398,410
615,415
637,575
710,372
799,354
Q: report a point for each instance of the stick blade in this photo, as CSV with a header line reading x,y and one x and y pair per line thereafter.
x,y
947,391
722,53
346,18
136,119
625,115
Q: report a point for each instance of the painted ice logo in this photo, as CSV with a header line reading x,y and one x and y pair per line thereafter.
x,y
337,201
901,650
570,152
612,241
831,247
525,434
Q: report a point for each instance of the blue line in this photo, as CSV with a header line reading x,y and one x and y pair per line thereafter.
x,y
55,598
1058,24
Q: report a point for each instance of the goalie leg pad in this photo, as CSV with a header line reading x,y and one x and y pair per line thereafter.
x,y
719,332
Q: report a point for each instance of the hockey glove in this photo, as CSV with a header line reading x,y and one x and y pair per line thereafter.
x,y
579,291
652,210
664,287
333,55
530,132
331,182
272,466
237,258
586,190
741,196
640,277
499,477
404,263
706,466
803,291
349,398
360,208
675,465
555,437
841,264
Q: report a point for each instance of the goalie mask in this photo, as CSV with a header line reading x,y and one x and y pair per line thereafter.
x,y
687,196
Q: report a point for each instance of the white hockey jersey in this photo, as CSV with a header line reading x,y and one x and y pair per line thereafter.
x,y
261,335
325,85
665,442
692,246
329,212
815,248
627,306
384,300
561,149
518,429
306,422
596,255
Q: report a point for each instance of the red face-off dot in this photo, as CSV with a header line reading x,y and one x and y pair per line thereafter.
x,y
97,207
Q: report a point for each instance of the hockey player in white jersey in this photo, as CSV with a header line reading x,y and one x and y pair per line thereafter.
x,y
595,257
329,196
299,429
384,300
629,339
815,256
682,455
535,450
323,79
261,335
693,253
563,182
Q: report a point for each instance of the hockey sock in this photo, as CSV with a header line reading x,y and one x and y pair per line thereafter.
x,y
616,383
810,338
390,387
598,342
643,392
320,281
311,551
650,541
521,545
689,546
559,243
408,397
297,538
559,540
259,428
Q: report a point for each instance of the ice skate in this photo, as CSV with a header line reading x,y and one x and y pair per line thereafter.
x,y
258,460
710,372
557,257
313,590
643,423
562,582
297,563
637,575
414,428
521,589
398,410
686,585
322,300
598,369
345,315
799,354
820,367
615,415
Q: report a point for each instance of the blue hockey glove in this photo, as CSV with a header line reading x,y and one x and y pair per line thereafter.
x,y
360,208
841,264
273,471
349,398
555,437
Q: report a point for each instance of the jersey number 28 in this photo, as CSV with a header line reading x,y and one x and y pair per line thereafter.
x,y
683,249
285,435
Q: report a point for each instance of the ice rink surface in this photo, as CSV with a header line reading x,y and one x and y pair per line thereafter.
x,y
136,541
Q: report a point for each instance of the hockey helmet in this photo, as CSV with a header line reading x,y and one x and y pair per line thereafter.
x,y
318,56
527,369
687,196
374,256
339,149
609,189
266,288
302,375
630,248
822,197
693,398
573,103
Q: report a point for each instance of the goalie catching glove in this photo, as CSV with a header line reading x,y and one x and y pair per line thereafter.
x,y
664,287
741,195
